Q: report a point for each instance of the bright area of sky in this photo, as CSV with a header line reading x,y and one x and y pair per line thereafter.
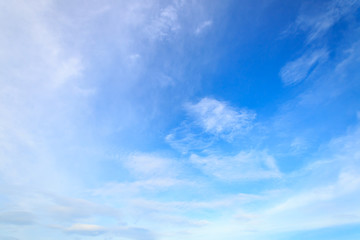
x,y
180,120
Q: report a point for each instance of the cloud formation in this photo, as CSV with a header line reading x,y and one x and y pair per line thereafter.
x,y
203,26
165,24
81,84
316,25
86,229
296,71
151,165
218,118
243,166
209,121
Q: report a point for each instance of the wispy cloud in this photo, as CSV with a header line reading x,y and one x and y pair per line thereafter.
x,y
296,71
85,229
210,119
203,26
94,230
140,186
163,25
316,202
176,206
219,118
51,65
71,209
243,166
151,173
151,165
66,71
40,81
315,25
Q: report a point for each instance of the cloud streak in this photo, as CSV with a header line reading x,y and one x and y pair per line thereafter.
x,y
165,24
243,166
317,24
203,26
296,71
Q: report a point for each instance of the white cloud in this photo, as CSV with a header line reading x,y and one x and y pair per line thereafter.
x,y
165,24
210,120
219,118
33,53
151,166
36,118
317,24
191,206
86,229
203,26
313,199
70,209
306,204
124,232
296,71
42,145
140,186
40,92
186,138
243,166
347,182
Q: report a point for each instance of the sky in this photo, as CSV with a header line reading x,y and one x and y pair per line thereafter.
x,y
179,120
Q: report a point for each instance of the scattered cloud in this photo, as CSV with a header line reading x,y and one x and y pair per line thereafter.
x,y
243,166
296,71
48,171
313,200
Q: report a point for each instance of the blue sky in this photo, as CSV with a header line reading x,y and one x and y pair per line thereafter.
x,y
173,120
